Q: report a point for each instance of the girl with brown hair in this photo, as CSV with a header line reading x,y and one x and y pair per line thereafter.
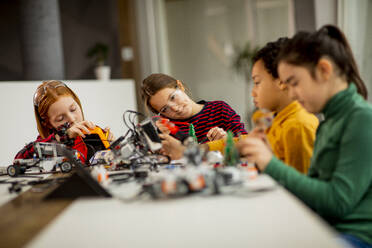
x,y
166,96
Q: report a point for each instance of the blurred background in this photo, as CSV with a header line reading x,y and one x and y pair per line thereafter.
x,y
196,41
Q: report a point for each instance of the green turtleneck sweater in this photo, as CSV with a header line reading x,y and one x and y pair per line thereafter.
x,y
339,182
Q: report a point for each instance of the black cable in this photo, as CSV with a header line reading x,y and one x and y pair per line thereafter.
x,y
125,122
130,113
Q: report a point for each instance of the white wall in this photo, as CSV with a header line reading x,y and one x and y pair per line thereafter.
x,y
201,40
325,12
103,103
355,20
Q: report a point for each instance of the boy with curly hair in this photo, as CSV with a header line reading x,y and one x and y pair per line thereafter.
x,y
293,129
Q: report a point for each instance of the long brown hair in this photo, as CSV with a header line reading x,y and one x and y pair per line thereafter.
x,y
47,93
305,49
154,83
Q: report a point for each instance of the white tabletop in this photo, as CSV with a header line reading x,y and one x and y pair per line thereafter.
x,y
271,218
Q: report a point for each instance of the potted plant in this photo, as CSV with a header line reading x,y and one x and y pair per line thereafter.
x,y
242,64
99,52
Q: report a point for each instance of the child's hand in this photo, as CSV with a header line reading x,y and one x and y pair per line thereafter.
x,y
80,129
109,135
257,133
255,150
162,127
216,133
171,146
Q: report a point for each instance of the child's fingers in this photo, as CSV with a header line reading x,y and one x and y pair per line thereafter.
x,y
166,148
164,136
79,129
211,133
220,134
246,152
169,140
245,144
162,151
255,150
91,125
83,128
258,130
88,124
75,131
260,134
162,127
165,145
216,133
110,137
172,147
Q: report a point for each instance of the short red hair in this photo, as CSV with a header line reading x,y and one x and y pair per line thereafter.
x,y
47,93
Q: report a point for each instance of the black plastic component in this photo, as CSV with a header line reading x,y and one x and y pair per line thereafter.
x,y
80,184
93,141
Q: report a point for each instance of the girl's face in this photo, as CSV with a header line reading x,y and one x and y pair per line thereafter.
x,y
65,109
309,92
265,91
173,103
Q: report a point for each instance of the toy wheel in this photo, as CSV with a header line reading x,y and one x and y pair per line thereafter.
x,y
22,170
66,167
12,170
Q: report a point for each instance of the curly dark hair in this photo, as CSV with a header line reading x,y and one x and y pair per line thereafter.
x,y
269,54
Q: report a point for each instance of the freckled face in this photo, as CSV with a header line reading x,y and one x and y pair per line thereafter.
x,y
65,109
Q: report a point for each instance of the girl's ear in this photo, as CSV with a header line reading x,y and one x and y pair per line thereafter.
x,y
180,85
281,84
324,69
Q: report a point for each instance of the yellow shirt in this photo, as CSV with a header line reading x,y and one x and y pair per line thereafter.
x,y
291,136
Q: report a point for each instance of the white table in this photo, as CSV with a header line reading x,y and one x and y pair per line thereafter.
x,y
5,196
263,219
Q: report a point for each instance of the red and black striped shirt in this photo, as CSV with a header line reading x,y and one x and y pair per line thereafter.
x,y
213,114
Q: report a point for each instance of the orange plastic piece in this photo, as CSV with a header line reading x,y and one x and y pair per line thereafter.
x,y
103,136
171,127
168,187
198,184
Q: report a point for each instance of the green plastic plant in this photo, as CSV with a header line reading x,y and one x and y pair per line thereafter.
x,y
192,133
231,153
99,52
242,62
